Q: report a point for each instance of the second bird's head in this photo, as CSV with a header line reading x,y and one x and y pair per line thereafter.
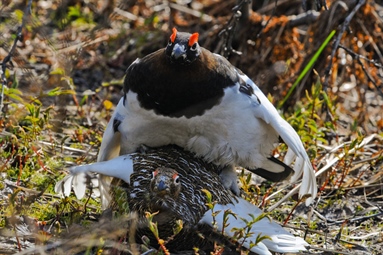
x,y
183,48
165,183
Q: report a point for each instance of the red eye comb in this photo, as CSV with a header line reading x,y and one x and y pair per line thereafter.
x,y
193,39
173,36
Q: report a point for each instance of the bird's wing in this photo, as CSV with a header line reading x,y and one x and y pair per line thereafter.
x,y
110,145
265,110
110,148
281,240
120,167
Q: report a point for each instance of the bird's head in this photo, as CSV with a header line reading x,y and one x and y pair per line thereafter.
x,y
183,48
165,182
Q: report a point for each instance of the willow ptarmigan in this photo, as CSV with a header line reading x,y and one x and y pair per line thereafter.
x,y
170,181
186,95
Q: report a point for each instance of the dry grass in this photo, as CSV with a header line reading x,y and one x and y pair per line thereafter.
x,y
84,49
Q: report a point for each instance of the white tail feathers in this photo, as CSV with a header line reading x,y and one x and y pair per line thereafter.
x,y
302,165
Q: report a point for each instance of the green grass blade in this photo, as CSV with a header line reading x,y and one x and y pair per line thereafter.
x,y
308,67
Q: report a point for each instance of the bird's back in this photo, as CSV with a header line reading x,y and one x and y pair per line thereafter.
x,y
190,205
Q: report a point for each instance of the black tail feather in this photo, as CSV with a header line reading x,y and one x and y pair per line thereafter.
x,y
272,176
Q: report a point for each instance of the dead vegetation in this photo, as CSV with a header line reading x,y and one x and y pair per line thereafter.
x,y
66,73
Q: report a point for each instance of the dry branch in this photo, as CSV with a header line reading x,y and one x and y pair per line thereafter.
x,y
8,58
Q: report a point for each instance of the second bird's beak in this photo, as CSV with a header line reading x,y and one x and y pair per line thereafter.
x,y
162,189
162,186
179,52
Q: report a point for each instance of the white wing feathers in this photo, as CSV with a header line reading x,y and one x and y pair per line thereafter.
x,y
111,140
302,166
281,240
120,167
109,149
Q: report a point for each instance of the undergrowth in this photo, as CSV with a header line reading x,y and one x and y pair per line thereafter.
x,y
31,164
46,130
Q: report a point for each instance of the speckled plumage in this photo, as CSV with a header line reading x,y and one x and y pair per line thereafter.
x,y
189,205
194,173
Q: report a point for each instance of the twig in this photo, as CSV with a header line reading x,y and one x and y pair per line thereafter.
x,y
128,15
331,251
335,48
198,14
371,61
319,4
368,185
8,58
29,191
365,141
271,16
370,40
364,237
337,41
70,149
270,6
83,44
371,204
361,218
358,57
229,31
369,76
303,18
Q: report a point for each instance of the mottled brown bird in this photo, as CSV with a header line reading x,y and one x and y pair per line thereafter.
x,y
170,181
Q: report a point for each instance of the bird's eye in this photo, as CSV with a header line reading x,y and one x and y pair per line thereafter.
x,y
193,47
177,179
170,42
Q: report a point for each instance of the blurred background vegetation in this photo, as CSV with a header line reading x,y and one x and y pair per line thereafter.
x,y
65,77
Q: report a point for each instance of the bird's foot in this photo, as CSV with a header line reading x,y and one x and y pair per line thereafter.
x,y
228,177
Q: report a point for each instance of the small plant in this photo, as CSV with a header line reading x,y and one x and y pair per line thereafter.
x,y
307,119
242,234
154,229
211,204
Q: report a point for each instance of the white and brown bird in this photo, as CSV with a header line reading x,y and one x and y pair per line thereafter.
x,y
171,181
186,95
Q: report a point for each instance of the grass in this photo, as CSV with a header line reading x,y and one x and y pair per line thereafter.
x,y
36,157
47,129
